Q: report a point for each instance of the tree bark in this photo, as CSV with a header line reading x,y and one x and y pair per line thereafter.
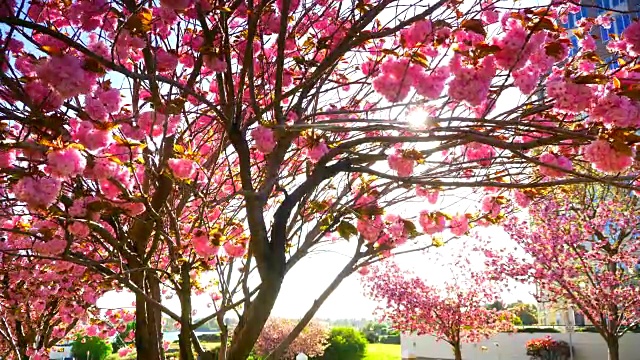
x,y
457,352
614,348
147,347
258,312
154,314
184,339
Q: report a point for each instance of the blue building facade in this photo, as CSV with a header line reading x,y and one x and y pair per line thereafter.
x,y
622,13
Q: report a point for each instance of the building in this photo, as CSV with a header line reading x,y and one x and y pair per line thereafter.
x,y
622,13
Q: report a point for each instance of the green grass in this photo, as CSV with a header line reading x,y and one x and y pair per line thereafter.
x,y
171,353
374,352
383,352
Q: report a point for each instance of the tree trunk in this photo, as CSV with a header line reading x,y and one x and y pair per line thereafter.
x,y
184,339
154,314
147,347
224,337
614,348
257,313
457,352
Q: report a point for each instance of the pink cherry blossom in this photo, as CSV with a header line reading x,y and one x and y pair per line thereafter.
x,y
632,37
606,158
430,194
419,32
317,151
403,165
66,162
234,250
522,199
66,75
459,224
432,223
471,84
182,168
264,138
7,158
176,4
491,205
556,160
481,153
370,229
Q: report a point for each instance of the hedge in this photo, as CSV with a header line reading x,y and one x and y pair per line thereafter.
x,y
533,330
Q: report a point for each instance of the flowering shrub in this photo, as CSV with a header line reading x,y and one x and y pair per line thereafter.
x,y
311,341
547,349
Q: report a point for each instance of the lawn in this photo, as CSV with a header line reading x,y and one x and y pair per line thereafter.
x,y
383,352
171,353
374,352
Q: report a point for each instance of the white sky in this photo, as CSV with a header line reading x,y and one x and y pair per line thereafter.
x,y
313,274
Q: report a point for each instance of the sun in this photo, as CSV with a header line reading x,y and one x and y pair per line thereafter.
x,y
419,118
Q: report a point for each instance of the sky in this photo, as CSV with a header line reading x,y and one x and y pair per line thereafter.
x,y
313,274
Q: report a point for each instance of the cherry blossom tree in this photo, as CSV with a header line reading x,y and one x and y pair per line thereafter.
x,y
580,247
311,341
168,140
454,312
42,302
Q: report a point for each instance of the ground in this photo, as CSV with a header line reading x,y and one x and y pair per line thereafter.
x,y
374,352
383,352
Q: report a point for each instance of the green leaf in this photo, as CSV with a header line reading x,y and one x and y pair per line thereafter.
x,y
411,229
346,229
326,222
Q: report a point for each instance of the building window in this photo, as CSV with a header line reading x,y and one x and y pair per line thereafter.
x,y
608,4
574,46
618,24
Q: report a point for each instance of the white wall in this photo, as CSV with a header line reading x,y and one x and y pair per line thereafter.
x,y
587,346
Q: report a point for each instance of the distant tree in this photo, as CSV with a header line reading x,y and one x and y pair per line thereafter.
x,y
311,341
516,320
528,313
90,347
345,343
374,330
497,305
580,246
455,312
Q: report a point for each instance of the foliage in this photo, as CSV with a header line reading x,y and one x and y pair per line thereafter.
x,y
453,312
377,332
311,341
515,320
528,313
547,349
95,347
124,338
580,246
497,305
176,138
345,343
532,330
215,337
390,339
